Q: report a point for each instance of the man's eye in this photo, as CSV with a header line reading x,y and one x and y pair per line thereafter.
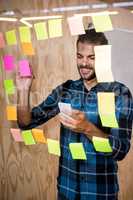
x,y
92,58
78,56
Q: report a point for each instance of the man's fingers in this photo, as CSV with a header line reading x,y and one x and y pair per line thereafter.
x,y
67,119
67,124
74,111
77,114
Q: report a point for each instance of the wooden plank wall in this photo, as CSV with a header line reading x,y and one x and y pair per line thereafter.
x,y
29,172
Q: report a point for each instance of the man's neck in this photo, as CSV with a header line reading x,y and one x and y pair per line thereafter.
x,y
90,84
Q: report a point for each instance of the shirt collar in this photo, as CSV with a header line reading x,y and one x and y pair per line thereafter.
x,y
102,86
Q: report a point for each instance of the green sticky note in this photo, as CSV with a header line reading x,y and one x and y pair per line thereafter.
x,y
55,28
77,151
25,35
28,138
11,37
41,31
102,23
106,109
101,144
9,86
53,147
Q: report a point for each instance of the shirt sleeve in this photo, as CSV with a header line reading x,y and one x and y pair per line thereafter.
x,y
119,138
45,110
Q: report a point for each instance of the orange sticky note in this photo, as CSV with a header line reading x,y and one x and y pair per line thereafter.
x,y
2,41
11,113
28,48
38,135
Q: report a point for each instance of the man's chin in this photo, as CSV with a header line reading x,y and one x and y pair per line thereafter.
x,y
89,78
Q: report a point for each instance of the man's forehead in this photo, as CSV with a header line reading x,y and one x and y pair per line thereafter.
x,y
85,47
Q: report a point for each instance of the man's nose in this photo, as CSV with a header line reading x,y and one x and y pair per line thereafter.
x,y
84,63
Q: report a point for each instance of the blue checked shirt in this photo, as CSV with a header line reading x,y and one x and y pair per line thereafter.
x,y
96,177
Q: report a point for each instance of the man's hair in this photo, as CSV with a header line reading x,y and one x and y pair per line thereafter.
x,y
92,37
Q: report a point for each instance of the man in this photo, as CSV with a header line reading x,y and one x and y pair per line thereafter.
x,y
96,177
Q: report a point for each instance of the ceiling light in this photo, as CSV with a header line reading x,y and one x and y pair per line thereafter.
x,y
122,4
8,19
70,8
26,23
41,18
98,13
101,5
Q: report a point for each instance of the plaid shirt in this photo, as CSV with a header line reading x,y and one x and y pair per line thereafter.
x,y
96,177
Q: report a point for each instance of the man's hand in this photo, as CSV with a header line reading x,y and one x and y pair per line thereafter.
x,y
23,83
77,122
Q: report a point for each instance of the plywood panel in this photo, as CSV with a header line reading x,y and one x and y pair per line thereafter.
x,y
29,173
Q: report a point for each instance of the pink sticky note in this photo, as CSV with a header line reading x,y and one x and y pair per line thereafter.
x,y
16,134
2,41
24,68
8,62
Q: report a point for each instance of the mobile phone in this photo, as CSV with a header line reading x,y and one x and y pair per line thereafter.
x,y
65,108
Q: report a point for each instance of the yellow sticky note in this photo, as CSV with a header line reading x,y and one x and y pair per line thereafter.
x,y
106,109
38,135
53,147
103,63
28,138
55,28
101,144
41,31
11,37
11,113
102,23
77,151
109,120
28,49
25,35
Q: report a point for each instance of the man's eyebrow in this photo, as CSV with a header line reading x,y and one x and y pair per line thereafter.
x,y
79,54
91,55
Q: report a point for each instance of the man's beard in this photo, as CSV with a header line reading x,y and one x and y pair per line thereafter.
x,y
87,78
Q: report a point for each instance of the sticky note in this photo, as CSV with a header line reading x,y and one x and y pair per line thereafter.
x,y
24,68
25,34
76,25
8,62
77,151
16,134
28,138
102,23
106,109
9,86
11,113
2,41
55,28
41,31
38,135
11,37
53,147
103,63
101,144
28,49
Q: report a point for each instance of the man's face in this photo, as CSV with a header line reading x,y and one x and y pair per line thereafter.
x,y
86,61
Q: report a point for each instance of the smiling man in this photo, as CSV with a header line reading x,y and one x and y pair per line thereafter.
x,y
96,177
